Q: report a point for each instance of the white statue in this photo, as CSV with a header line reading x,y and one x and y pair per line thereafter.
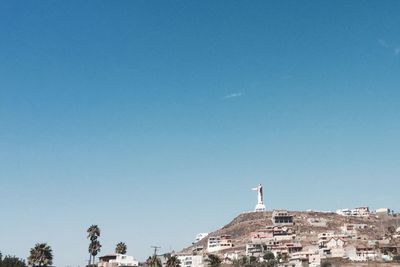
x,y
260,203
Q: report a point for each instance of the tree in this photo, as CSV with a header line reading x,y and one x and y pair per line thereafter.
x,y
285,257
173,261
120,248
153,261
41,255
93,232
396,258
94,247
269,258
213,260
253,260
11,261
243,261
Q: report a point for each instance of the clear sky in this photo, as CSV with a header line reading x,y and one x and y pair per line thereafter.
x,y
153,119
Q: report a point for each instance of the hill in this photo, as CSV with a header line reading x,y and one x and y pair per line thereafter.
x,y
307,227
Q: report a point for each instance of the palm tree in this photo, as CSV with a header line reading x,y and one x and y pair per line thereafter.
x,y
94,247
93,232
153,261
213,260
120,248
41,255
173,261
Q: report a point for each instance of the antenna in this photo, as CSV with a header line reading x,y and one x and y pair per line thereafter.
x,y
155,249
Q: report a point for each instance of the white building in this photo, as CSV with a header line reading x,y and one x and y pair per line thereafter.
x,y
217,243
312,257
344,212
361,211
358,212
361,253
351,229
191,260
117,260
383,211
335,242
324,237
255,249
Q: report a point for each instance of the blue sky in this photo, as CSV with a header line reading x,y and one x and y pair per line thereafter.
x,y
153,119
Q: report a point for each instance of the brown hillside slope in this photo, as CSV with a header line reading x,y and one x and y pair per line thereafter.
x,y
241,227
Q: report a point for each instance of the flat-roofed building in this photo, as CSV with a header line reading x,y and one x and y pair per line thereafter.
x,y
191,260
117,260
282,217
255,249
217,243
272,233
286,248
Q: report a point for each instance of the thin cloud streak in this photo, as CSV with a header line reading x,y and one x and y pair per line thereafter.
x,y
233,95
393,47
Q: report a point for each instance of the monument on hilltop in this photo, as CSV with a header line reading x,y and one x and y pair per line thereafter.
x,y
260,203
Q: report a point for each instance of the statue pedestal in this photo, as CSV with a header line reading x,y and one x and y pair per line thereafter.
x,y
260,207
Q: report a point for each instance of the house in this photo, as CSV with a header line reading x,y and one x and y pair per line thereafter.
x,y
217,243
323,237
286,248
335,242
361,211
191,260
331,245
307,257
272,233
366,253
352,228
117,260
255,249
344,212
358,212
382,211
282,217
361,253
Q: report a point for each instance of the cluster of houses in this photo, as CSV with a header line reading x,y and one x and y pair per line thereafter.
x,y
363,212
286,241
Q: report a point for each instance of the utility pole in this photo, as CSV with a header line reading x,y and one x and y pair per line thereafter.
x,y
155,250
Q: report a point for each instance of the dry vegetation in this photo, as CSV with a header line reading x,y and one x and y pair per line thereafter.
x,y
241,227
